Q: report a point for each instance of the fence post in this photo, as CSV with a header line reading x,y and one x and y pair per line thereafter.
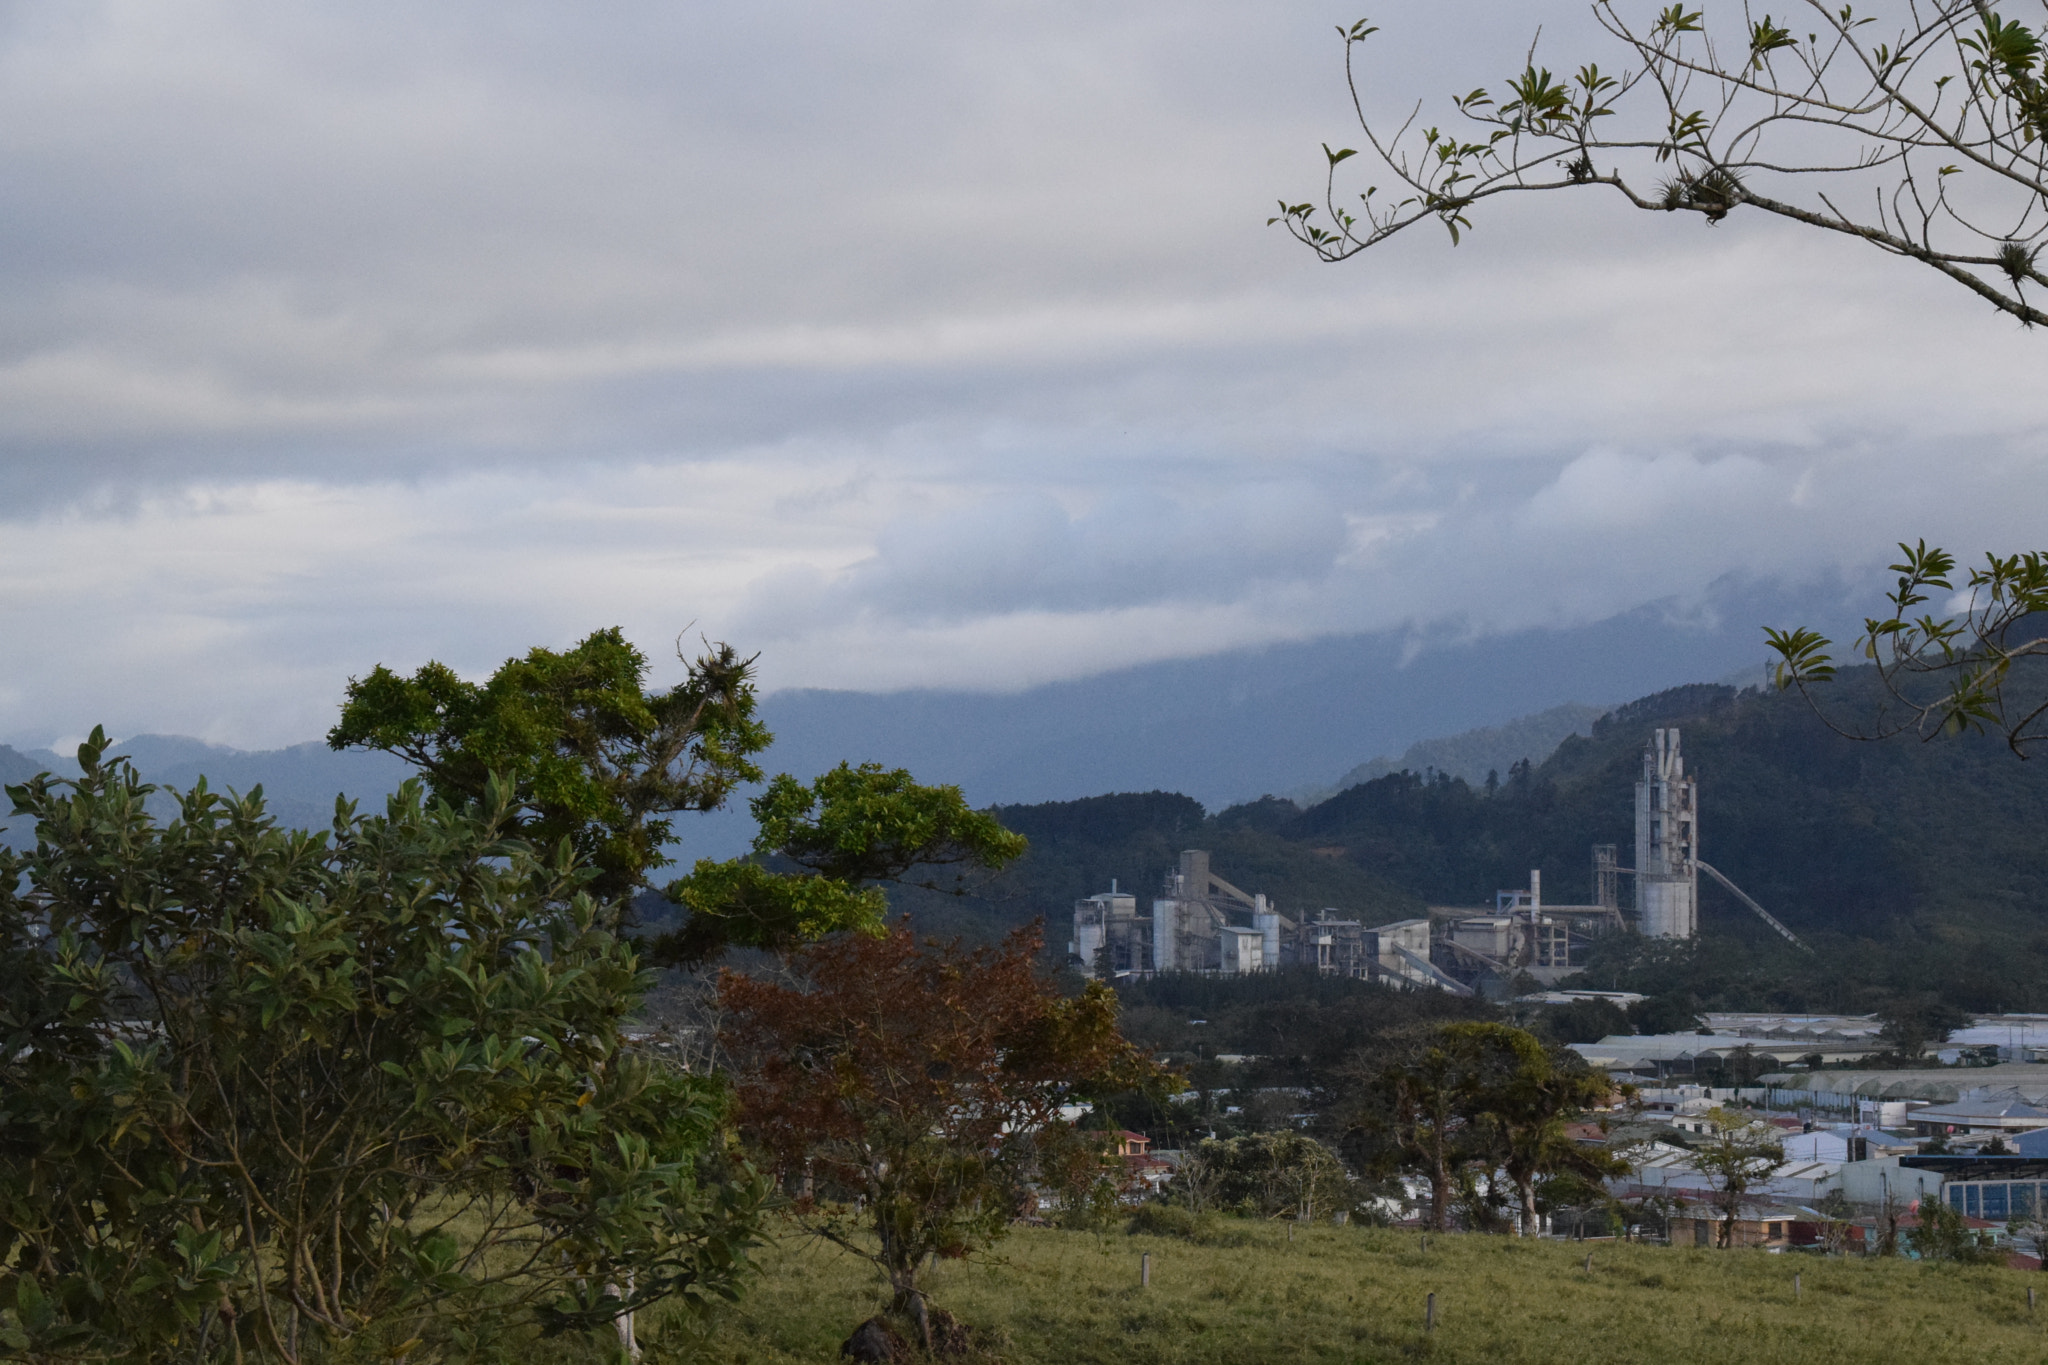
x,y
1145,1271
1429,1313
1795,1289
1589,1264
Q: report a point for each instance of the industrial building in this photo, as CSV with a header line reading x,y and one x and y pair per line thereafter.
x,y
1200,922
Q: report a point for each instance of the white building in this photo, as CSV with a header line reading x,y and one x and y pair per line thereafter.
x,y
1243,950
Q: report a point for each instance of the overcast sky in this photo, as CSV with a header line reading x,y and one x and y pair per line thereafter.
x,y
905,343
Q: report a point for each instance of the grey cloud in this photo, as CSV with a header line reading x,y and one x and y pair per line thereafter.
x,y
1024,552
909,342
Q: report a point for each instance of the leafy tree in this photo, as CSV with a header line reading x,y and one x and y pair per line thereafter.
x,y
843,832
1943,1235
1268,1175
1911,1023
598,760
1737,1155
276,1095
1079,1166
1918,128
1975,667
594,757
906,1088
1479,1096
1526,1094
1416,1112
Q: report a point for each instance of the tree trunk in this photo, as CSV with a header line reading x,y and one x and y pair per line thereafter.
x,y
910,1302
1439,1190
629,1342
1525,1186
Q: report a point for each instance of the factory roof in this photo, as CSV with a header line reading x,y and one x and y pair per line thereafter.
x,y
1820,1027
1617,998
1985,1108
1939,1084
1632,1050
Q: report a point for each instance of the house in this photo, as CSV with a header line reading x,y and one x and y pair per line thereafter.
x,y
1768,1226
1146,1176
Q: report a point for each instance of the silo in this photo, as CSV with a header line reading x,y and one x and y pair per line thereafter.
x,y
1267,921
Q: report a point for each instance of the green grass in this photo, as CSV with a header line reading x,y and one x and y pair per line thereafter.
x,y
1357,1294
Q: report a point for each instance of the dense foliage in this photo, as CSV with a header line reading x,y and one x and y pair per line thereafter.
x,y
820,849
599,762
266,1093
1463,1103
595,758
1265,1175
908,1089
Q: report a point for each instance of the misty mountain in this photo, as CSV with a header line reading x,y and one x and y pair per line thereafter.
x,y
1230,727
1475,754
1223,728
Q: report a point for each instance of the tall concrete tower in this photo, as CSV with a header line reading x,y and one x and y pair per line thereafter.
x,y
1667,842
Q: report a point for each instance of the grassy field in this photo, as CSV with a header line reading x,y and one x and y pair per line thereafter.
x,y
1357,1294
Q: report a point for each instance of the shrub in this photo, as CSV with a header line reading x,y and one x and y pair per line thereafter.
x,y
1202,1229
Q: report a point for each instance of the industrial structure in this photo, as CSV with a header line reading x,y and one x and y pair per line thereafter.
x,y
1667,842
1202,923
1668,862
1522,934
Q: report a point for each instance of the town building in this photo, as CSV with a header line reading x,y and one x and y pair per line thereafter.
x,y
1977,1112
1769,1226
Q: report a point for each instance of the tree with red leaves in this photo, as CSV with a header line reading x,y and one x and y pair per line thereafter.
x,y
909,1087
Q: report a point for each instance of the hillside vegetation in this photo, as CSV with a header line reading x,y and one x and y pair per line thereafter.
x,y
1475,753
1907,866
1357,1294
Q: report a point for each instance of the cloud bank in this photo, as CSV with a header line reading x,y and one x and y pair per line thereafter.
x,y
911,345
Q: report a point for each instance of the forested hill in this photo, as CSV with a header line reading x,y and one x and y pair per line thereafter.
x,y
1906,865
1871,840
